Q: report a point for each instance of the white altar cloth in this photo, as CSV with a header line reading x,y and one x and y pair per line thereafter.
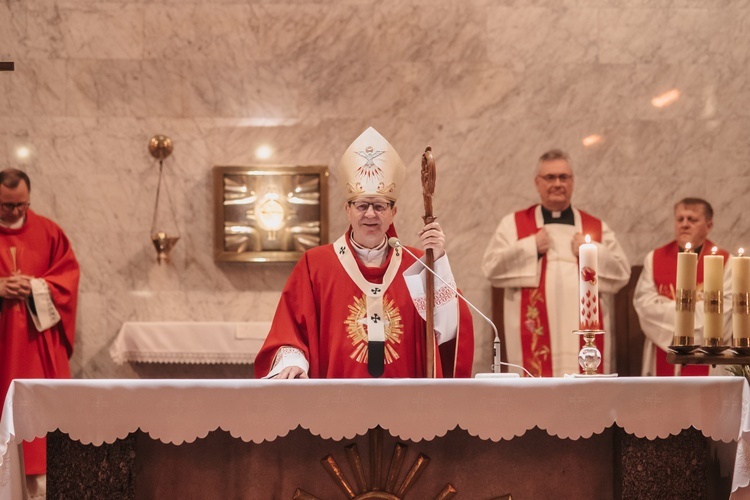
x,y
178,411
189,342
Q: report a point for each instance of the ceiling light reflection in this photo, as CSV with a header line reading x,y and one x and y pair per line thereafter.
x,y
591,140
23,152
665,99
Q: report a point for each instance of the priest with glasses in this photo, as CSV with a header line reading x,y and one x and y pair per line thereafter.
x,y
533,256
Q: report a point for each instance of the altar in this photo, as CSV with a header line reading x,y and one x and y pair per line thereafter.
x,y
482,438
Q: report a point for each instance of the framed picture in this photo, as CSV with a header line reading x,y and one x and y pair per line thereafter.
x,y
269,213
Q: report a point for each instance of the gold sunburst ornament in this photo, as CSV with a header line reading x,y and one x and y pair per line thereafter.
x,y
356,327
378,487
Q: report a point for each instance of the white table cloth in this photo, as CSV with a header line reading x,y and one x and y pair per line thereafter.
x,y
189,342
178,411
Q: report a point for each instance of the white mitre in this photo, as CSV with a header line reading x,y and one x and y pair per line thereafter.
x,y
371,167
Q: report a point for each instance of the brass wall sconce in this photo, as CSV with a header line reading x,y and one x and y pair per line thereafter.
x,y
163,235
269,213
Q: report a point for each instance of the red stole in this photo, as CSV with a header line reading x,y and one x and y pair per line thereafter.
x,y
665,276
535,334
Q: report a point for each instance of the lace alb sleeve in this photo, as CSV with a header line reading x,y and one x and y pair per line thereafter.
x,y
288,356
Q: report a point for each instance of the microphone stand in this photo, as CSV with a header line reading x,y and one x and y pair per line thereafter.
x,y
496,362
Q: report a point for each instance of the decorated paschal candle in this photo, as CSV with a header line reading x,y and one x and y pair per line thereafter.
x,y
589,286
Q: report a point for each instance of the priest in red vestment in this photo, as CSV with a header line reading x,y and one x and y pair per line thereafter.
x,y
39,291
533,256
654,297
356,308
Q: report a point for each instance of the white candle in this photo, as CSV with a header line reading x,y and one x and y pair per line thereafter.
x,y
740,291
589,286
713,287
741,272
687,271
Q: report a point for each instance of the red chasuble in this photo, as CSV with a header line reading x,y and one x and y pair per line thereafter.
x,y
321,312
42,251
535,334
665,279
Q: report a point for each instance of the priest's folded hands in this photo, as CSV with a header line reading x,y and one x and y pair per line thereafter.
x,y
17,286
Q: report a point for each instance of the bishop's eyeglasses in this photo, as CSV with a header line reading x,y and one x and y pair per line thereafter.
x,y
378,206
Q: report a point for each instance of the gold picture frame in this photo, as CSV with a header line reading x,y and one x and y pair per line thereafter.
x,y
269,213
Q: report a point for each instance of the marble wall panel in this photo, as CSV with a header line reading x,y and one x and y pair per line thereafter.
x,y
488,84
523,36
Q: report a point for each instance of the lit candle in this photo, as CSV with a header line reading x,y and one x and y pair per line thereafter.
x,y
687,269
740,293
589,286
713,288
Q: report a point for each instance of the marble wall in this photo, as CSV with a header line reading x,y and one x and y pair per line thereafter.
x,y
489,84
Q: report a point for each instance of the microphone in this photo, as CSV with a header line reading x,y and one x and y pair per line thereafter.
x,y
395,243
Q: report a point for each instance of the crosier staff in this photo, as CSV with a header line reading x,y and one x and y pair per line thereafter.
x,y
428,189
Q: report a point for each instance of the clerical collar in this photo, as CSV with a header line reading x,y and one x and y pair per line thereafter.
x,y
564,217
370,257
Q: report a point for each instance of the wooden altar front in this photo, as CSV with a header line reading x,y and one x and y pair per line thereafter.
x,y
532,438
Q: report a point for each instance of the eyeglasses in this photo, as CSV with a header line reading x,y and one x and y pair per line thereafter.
x,y
378,206
9,207
552,177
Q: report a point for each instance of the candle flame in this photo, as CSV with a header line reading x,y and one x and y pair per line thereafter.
x,y
587,238
741,252
714,250
688,246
